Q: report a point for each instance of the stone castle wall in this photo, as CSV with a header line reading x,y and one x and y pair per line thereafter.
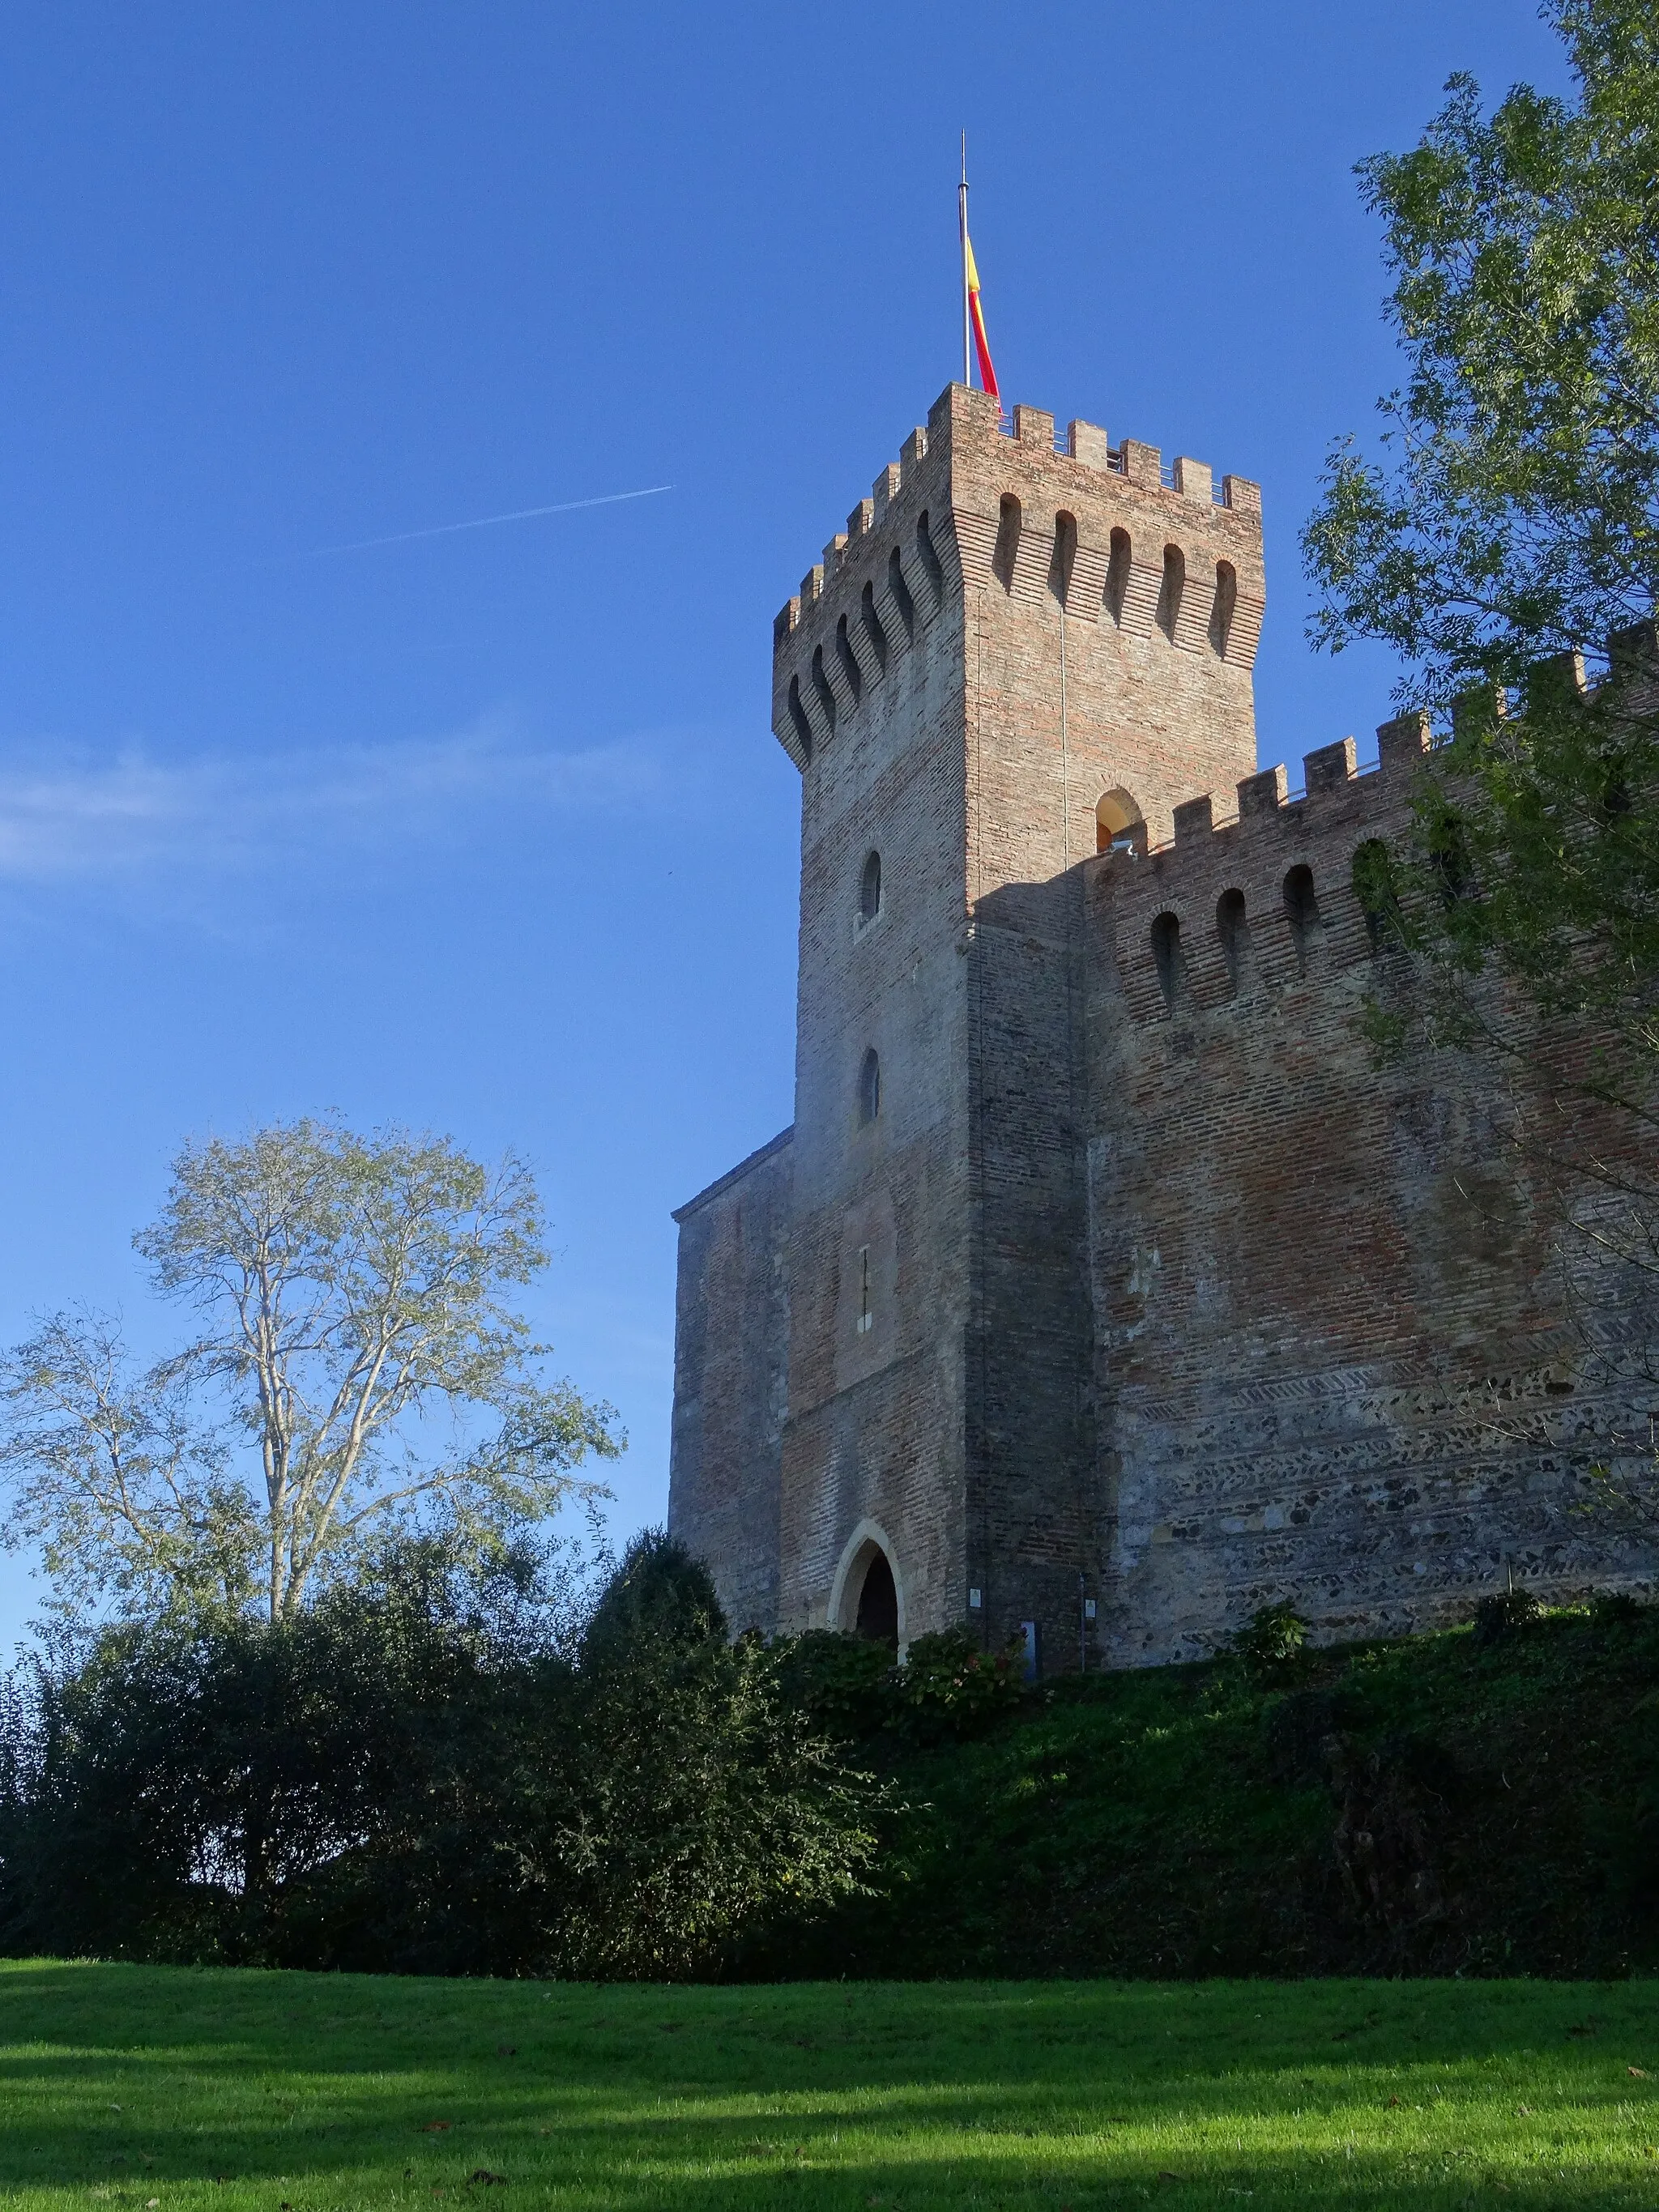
x,y
1086,676
1331,1351
731,1379
873,1440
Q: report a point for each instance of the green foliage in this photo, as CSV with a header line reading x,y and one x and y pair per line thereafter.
x,y
705,1807
1506,1614
414,1779
1519,514
350,1291
949,1690
413,1773
658,1596
841,1683
1426,1807
1376,887
1515,527
1274,1637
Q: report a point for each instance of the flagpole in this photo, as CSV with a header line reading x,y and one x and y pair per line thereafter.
x,y
962,225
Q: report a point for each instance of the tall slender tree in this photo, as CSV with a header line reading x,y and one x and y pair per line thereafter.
x,y
359,1365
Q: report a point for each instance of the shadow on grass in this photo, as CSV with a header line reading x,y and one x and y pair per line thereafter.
x,y
124,2080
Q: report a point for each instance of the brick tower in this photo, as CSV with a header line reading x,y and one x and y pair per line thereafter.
x,y
1021,649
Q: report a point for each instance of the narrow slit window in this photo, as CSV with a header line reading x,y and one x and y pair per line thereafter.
x,y
1118,825
1006,550
1175,585
929,558
1302,911
798,722
849,662
1064,557
1117,574
1448,857
866,1311
869,1089
1378,893
821,685
1226,597
899,592
1166,957
872,629
1229,927
870,888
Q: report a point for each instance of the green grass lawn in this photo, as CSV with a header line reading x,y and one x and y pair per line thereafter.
x,y
176,2088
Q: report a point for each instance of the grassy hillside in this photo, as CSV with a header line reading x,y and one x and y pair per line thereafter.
x,y
1442,1805
176,2090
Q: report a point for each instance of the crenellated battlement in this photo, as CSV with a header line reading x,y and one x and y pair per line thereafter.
x,y
1179,910
1262,897
1120,539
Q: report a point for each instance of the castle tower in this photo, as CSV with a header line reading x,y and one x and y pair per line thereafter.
x,y
1102,1265
1021,648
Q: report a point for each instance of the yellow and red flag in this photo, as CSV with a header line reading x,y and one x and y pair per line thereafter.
x,y
987,375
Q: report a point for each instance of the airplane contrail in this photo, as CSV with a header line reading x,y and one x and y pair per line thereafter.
x,y
486,521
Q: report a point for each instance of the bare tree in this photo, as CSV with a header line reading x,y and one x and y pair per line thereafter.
x,y
359,1367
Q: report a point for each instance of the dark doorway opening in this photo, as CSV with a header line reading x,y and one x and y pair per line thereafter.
x,y
879,1603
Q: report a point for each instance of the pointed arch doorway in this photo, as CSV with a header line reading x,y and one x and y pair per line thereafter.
x,y
867,1596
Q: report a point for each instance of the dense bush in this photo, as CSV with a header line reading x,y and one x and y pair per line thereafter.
x,y
1274,1637
1505,1614
948,1689
841,1683
392,1779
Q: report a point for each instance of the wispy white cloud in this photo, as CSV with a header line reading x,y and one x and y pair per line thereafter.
x,y
67,815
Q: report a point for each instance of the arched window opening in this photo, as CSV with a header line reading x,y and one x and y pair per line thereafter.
x,y
1226,598
1375,888
1117,574
848,659
1118,824
1166,957
798,722
1064,557
1449,856
878,1613
1302,911
929,558
1229,927
1006,550
869,1089
870,888
872,629
1175,583
822,686
900,592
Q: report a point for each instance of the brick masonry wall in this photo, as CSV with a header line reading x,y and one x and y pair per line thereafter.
x,y
874,1431
1332,1352
731,1380
1081,682
1055,632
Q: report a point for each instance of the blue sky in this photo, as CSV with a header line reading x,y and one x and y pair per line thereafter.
x,y
486,832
